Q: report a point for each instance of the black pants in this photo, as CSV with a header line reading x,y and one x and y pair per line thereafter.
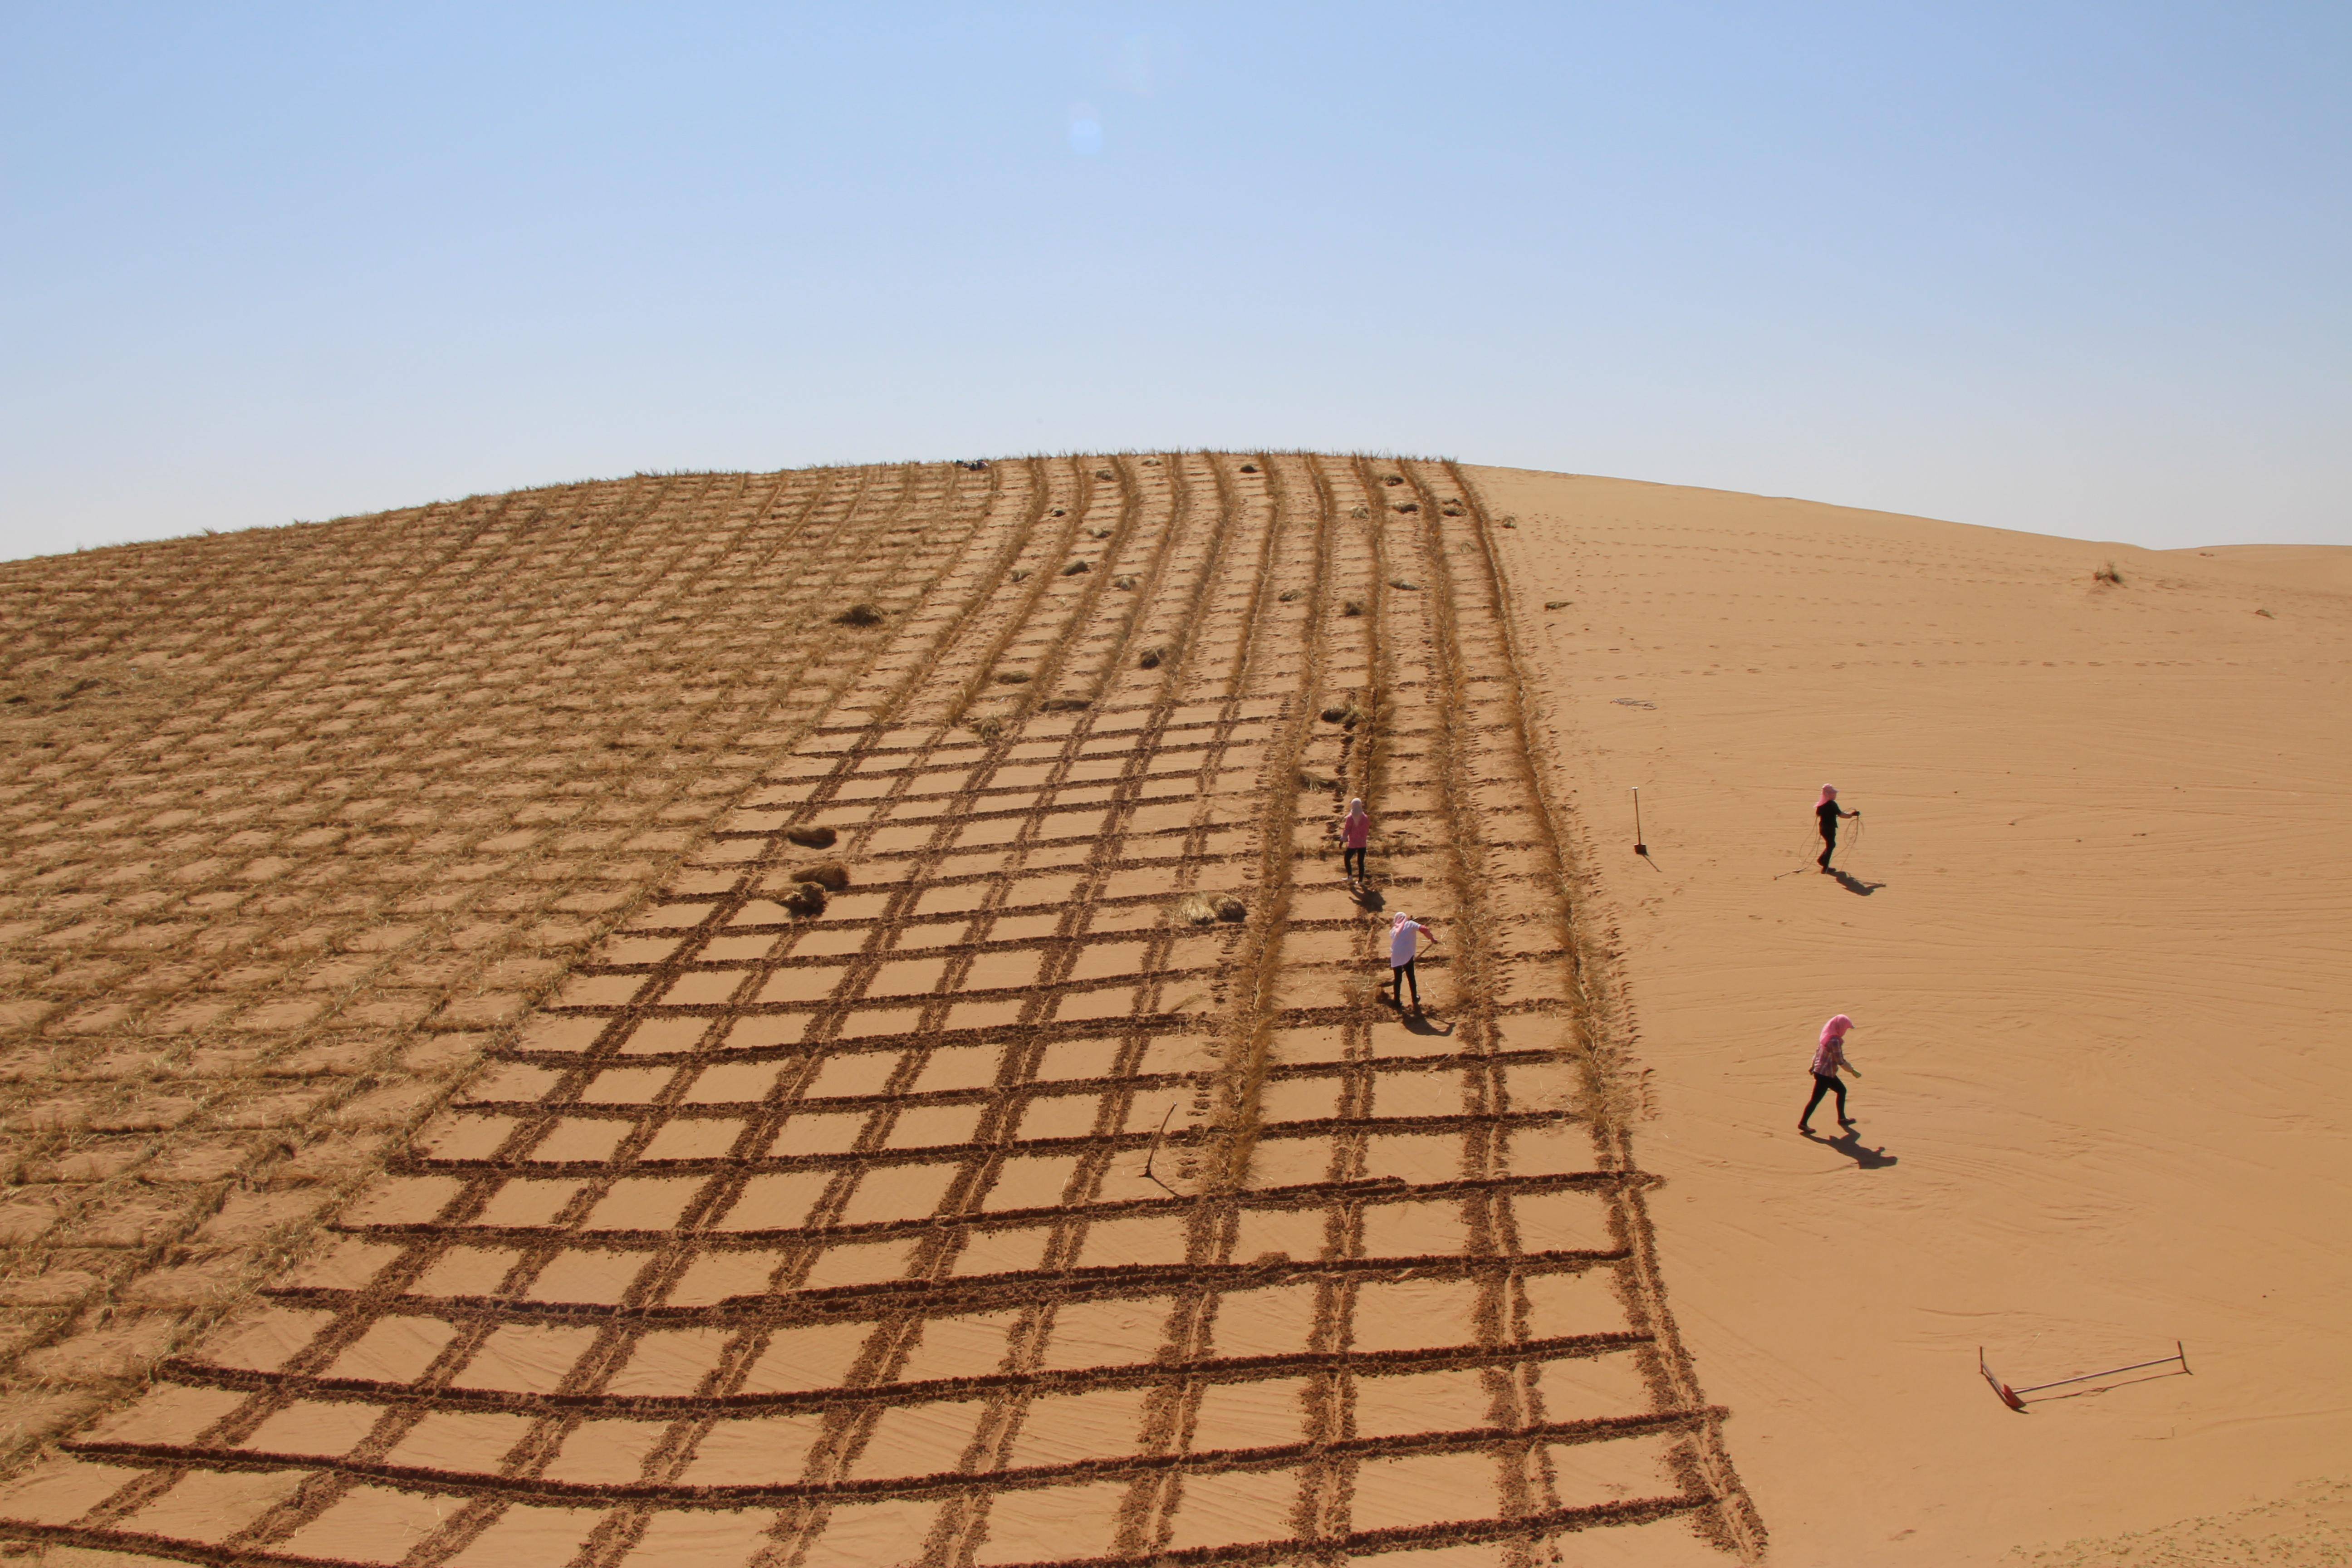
x,y
1354,857
1398,975
1828,844
1825,1083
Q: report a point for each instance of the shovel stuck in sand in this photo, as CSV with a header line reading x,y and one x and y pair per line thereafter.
x,y
2015,1397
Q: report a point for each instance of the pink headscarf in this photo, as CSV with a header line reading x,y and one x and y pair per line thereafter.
x,y
1829,794
1403,920
1834,1030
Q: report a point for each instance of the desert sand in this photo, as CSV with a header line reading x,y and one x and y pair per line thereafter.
x,y
2096,934
816,1017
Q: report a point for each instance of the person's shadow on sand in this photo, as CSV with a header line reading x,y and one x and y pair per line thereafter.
x,y
1854,885
1368,898
1415,1024
1849,1144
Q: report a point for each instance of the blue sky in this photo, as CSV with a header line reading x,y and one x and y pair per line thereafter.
x,y
2075,269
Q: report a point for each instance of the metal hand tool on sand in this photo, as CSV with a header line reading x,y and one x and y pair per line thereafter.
x,y
2015,1397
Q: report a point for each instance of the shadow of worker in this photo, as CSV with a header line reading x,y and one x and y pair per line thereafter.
x,y
1849,1144
1855,885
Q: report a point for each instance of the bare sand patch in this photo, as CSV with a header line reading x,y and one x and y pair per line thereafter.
x,y
2095,930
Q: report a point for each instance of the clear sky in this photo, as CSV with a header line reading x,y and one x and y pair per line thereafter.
x,y
2083,270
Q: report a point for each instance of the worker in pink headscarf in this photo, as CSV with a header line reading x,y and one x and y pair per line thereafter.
x,y
1404,944
1827,810
1355,839
1829,1056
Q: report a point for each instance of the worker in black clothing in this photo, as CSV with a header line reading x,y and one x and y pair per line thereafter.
x,y
1829,811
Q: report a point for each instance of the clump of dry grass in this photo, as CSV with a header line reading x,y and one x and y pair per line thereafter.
x,y
806,900
1407,506
1102,473
1346,714
1510,523
830,875
988,727
1391,479
2109,575
1352,607
1066,704
1208,909
1124,580
1150,657
1076,567
811,837
1406,585
1249,467
861,614
1359,512
1315,778
1291,595
1012,676
1018,574
1098,533
1558,604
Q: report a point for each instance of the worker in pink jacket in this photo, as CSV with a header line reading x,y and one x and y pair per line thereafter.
x,y
1354,835
1829,1056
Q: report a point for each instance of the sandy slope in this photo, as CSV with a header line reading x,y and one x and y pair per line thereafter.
x,y
2098,938
1057,1194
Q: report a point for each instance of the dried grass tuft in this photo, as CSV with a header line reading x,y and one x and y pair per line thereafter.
x,y
1208,909
1098,533
1017,576
830,875
2108,574
1352,607
987,728
811,837
1344,714
1558,604
1359,512
1404,583
1066,704
1012,676
1076,567
806,900
1315,778
1291,595
860,614
1150,657
1124,580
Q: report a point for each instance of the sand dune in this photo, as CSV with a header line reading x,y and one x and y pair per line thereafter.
x,y
2098,933
1059,1194
445,1127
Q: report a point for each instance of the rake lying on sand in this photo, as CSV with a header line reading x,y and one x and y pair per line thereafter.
x,y
2015,1397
